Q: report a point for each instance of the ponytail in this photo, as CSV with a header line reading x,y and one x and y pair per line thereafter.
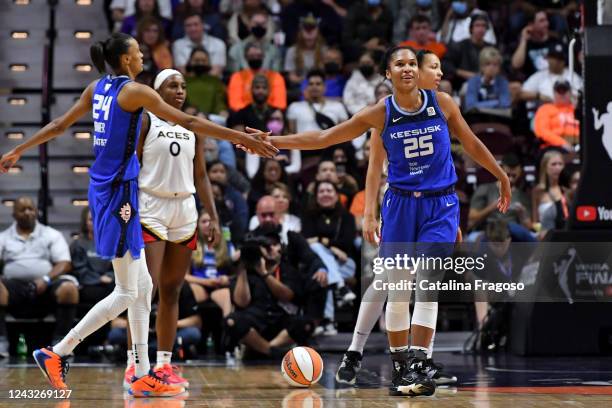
x,y
96,52
110,51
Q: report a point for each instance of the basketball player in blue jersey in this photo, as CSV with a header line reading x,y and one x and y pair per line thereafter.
x,y
430,76
420,205
116,103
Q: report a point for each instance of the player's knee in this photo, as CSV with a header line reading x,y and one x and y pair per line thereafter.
x,y
425,314
125,296
145,285
397,316
169,291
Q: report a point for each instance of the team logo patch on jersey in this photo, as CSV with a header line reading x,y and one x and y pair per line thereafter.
x,y
431,111
125,213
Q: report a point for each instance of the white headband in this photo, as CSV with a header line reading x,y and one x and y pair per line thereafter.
x,y
163,75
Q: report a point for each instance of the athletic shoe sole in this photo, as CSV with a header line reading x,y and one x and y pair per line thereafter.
x,y
445,380
412,390
341,381
42,369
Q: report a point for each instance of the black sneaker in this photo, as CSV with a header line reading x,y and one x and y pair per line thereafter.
x,y
436,372
349,367
408,375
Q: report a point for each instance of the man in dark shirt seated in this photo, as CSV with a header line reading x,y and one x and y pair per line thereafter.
x,y
310,285
265,320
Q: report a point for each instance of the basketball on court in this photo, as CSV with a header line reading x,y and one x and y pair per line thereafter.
x,y
402,202
302,367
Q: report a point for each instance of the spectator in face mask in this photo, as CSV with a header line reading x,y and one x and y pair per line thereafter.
x,y
260,33
359,90
239,24
458,22
195,36
406,10
205,92
239,89
290,159
335,80
217,151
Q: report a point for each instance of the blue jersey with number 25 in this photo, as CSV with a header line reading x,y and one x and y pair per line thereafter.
x,y
418,146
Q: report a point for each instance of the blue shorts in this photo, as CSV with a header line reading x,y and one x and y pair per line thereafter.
x,y
408,221
116,222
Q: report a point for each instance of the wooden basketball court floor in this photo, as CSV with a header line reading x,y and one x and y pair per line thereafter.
x,y
484,382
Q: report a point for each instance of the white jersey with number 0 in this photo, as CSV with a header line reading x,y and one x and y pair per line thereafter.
x,y
167,160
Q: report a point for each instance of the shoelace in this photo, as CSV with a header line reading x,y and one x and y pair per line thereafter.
x,y
64,367
437,366
159,380
417,366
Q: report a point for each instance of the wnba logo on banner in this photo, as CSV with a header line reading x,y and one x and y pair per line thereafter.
x,y
604,121
591,213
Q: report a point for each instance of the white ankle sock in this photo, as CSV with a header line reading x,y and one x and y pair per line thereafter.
x,y
431,345
68,343
163,357
141,359
130,358
398,349
423,349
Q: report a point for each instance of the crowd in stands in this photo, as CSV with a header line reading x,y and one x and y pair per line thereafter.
x,y
295,65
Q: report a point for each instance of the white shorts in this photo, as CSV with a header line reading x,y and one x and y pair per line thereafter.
x,y
168,219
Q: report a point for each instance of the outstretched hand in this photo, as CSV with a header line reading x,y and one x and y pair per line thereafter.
x,y
371,230
8,160
505,195
251,131
255,143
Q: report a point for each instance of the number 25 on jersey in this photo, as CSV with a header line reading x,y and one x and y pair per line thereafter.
x,y
418,146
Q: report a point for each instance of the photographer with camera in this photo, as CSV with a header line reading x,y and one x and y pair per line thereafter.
x,y
265,320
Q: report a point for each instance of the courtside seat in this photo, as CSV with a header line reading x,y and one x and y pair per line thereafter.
x,y
70,15
21,60
496,136
18,17
18,108
10,138
63,177
62,102
72,52
73,143
6,216
63,214
23,179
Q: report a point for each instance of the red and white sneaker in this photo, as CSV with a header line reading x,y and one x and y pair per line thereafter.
x,y
130,372
169,373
